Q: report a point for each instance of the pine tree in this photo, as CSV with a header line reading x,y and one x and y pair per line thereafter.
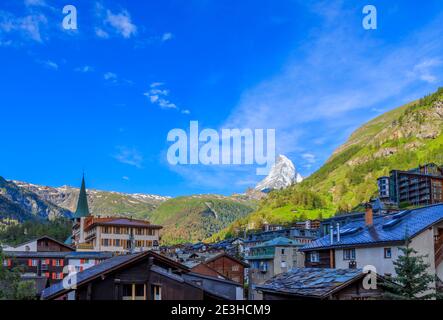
x,y
413,281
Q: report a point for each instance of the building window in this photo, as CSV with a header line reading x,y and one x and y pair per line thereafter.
x,y
156,292
134,292
388,253
349,254
314,257
235,267
282,251
117,243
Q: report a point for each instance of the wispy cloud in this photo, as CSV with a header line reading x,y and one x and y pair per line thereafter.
x,y
48,64
158,95
167,36
16,29
110,76
84,69
331,85
119,24
129,156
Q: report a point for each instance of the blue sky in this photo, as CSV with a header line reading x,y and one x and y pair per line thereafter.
x,y
74,100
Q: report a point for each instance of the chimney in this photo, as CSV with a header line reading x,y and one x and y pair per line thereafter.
x,y
331,233
369,215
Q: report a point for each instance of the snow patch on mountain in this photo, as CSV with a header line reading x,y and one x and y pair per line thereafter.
x,y
282,175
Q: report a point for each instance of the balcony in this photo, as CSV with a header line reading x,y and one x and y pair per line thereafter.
x,y
85,246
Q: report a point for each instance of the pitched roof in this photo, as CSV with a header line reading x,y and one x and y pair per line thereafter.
x,y
385,229
123,222
82,204
45,237
278,242
311,282
105,267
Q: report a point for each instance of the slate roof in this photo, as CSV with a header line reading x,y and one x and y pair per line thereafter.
x,y
60,255
311,282
386,229
278,242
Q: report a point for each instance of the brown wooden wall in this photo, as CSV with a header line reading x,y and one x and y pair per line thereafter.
x,y
229,268
48,245
326,260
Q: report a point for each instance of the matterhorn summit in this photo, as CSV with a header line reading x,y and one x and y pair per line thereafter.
x,y
281,175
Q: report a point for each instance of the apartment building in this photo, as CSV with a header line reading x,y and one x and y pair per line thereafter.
x,y
271,258
415,187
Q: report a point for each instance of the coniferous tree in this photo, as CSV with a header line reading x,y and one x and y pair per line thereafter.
x,y
413,280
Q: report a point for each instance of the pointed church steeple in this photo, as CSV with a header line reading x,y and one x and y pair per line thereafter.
x,y
82,205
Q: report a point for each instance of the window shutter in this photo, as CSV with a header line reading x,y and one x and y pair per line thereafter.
x,y
9,262
62,262
48,262
53,262
47,274
29,262
81,269
54,276
82,261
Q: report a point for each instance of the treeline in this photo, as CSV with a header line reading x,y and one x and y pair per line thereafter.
x,y
14,234
296,196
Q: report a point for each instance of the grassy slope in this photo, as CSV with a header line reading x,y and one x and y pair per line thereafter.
x,y
402,138
190,219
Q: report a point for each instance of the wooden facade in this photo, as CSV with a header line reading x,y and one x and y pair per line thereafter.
x,y
326,259
144,276
229,267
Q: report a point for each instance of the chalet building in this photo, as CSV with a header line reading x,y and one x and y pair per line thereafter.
x,y
110,234
376,240
218,264
319,284
271,258
142,276
47,257
415,187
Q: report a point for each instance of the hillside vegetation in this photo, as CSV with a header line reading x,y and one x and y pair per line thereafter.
x,y
403,138
194,218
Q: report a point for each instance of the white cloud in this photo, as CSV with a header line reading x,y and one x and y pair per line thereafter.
x,y
167,36
125,178
309,157
156,84
48,64
158,96
84,69
424,70
186,111
110,76
120,23
27,28
101,33
129,156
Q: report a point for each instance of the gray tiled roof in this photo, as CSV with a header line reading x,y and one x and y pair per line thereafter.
x,y
391,228
310,282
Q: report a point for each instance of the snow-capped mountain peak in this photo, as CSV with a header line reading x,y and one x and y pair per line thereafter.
x,y
281,175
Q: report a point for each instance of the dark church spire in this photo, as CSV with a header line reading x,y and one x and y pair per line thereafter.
x,y
82,205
